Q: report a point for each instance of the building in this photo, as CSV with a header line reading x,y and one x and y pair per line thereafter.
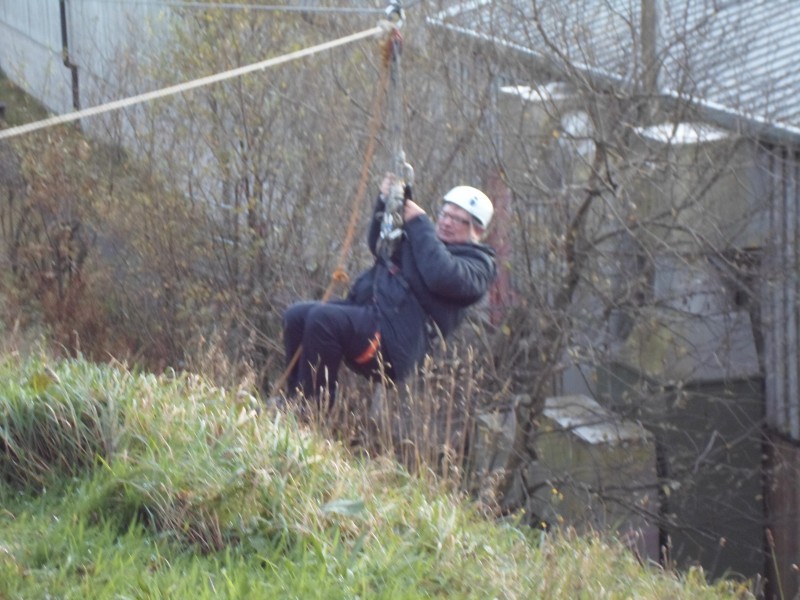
x,y
704,94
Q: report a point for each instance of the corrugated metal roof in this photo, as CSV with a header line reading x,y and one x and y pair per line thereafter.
x,y
737,58
591,422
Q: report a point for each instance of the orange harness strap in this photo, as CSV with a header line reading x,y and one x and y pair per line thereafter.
x,y
371,351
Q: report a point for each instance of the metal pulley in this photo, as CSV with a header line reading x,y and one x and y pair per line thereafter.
x,y
394,13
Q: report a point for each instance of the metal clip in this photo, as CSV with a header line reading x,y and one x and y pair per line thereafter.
x,y
391,228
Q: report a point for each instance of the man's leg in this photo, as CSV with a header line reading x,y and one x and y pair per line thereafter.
x,y
294,324
331,333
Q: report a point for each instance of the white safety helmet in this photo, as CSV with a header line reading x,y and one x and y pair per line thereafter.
x,y
472,200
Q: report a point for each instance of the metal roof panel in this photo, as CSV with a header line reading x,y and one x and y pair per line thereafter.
x,y
739,54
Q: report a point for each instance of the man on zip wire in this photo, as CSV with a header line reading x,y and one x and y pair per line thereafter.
x,y
433,274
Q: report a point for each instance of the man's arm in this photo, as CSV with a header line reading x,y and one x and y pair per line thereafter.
x,y
411,210
463,277
375,224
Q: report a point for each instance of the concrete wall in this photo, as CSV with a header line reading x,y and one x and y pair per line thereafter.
x,y
105,40
30,51
703,183
582,467
709,454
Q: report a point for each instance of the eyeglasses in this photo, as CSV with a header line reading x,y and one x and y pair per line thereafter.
x,y
443,214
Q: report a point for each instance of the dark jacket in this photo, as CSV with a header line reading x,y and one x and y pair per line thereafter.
x,y
426,282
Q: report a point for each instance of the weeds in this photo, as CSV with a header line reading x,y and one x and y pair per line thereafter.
x,y
167,486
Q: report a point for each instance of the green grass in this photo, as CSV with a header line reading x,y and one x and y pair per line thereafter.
x,y
126,485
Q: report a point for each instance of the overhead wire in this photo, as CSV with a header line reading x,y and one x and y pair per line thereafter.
x,y
189,85
242,6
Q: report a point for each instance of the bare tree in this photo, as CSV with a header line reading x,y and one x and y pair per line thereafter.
x,y
638,225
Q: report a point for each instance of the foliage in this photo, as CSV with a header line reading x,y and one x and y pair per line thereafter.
x,y
45,228
185,489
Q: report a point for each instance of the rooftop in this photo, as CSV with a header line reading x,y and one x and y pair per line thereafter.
x,y
735,59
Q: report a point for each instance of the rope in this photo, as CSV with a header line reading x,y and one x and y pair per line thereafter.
x,y
189,85
361,191
340,275
396,106
392,220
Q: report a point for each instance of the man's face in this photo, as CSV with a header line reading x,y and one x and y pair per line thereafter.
x,y
454,225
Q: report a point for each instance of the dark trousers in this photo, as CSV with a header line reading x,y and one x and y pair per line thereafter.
x,y
329,333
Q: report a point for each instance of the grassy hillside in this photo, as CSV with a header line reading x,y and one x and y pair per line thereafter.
x,y
124,485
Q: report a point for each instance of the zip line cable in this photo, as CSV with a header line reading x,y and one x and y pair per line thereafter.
x,y
240,6
382,27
